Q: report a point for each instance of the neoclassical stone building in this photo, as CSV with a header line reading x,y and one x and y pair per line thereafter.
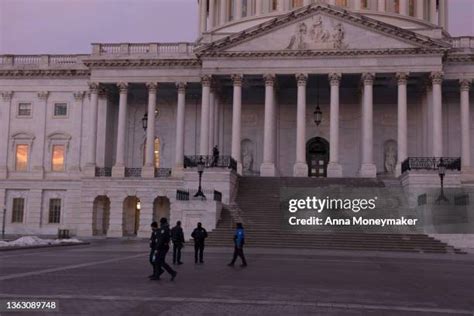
x,y
98,143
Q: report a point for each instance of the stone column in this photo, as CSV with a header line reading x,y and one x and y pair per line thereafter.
x,y
281,5
146,216
216,123
267,168
212,106
149,167
357,5
238,9
465,127
237,121
38,155
178,170
403,8
437,132
212,14
300,168
402,78
75,161
223,12
332,2
334,168
119,169
420,9
203,15
116,216
204,135
94,103
433,12
443,14
367,169
381,5
6,98
306,2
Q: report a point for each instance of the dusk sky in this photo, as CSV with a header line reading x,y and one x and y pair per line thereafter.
x,y
69,26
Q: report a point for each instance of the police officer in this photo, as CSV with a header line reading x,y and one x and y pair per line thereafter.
x,y
199,234
153,240
177,237
161,249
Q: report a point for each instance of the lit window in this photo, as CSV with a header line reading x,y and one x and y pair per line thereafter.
x,y
156,153
60,109
18,210
24,109
21,155
57,161
54,211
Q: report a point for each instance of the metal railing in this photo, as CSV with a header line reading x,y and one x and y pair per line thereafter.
x,y
211,162
188,194
431,163
133,172
103,172
162,172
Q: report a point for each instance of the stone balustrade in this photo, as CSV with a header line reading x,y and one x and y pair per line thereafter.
x,y
147,49
462,42
40,60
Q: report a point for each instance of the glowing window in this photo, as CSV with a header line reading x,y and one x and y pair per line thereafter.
x,y
57,161
21,155
156,153
341,3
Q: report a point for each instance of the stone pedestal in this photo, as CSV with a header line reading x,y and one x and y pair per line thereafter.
x,y
300,169
334,170
368,171
148,172
267,169
89,171
177,172
118,172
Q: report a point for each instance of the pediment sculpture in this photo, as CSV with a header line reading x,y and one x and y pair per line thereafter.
x,y
318,35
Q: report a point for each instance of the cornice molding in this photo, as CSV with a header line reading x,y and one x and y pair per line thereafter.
x,y
45,73
137,63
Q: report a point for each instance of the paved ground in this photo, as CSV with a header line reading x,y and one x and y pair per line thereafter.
x,y
110,278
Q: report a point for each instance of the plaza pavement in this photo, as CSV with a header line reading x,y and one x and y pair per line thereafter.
x,y
109,277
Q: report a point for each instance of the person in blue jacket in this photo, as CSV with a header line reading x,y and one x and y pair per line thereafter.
x,y
239,241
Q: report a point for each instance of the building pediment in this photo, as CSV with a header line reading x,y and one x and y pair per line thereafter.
x,y
321,29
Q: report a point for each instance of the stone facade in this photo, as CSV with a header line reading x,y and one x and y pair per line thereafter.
x,y
385,93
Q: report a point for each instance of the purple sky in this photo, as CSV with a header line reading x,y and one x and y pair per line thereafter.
x,y
69,26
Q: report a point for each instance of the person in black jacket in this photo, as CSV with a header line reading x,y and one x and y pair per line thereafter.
x,y
199,234
153,240
177,237
161,249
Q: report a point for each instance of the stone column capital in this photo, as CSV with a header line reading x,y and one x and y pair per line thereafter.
x,y
334,79
43,95
123,87
152,87
206,80
181,86
237,79
402,77
436,77
368,78
301,79
269,79
6,95
465,84
93,87
79,95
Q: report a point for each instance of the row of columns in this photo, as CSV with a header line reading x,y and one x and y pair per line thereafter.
x,y
209,121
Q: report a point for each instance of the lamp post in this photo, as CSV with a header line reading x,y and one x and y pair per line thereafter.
x,y
145,121
3,222
441,173
317,114
200,169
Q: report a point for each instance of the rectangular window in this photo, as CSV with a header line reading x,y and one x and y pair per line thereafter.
x,y
17,210
54,211
24,109
21,155
60,110
57,161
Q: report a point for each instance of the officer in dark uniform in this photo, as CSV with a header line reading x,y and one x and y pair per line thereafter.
x,y
153,240
177,237
162,247
199,234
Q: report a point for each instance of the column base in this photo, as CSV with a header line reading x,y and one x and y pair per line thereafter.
x,y
467,174
300,169
89,170
368,170
114,233
118,172
398,169
267,169
148,172
177,172
240,169
334,170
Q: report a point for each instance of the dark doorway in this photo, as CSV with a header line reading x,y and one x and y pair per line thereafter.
x,y
317,157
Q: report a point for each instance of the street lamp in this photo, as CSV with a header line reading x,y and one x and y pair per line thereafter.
x,y
200,169
317,114
145,121
441,173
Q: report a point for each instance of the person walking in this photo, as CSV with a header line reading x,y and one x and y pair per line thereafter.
x,y
239,241
177,237
152,242
161,249
199,235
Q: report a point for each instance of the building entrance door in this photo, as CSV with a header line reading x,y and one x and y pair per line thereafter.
x,y
317,157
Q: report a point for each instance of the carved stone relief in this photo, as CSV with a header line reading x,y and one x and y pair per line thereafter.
x,y
390,156
247,156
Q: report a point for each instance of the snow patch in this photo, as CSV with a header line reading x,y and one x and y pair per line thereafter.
x,y
28,241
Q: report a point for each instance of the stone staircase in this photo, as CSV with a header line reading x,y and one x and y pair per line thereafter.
x,y
258,207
